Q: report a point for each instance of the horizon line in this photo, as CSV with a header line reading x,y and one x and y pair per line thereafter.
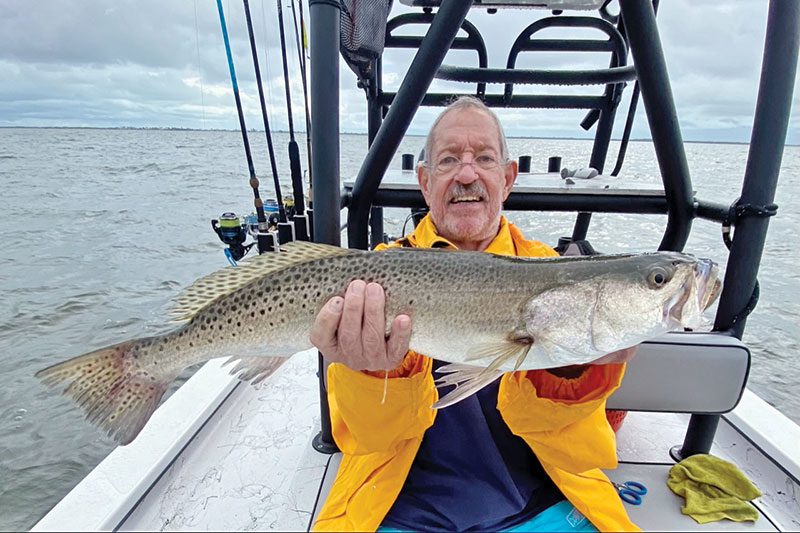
x,y
510,136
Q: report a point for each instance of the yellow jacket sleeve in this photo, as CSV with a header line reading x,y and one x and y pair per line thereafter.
x,y
565,422
363,422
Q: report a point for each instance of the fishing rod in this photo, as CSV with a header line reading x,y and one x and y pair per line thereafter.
x,y
266,239
301,221
301,52
283,231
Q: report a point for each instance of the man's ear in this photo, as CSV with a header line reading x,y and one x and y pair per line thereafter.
x,y
510,176
424,181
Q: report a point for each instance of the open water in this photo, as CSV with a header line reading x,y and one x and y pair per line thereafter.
x,y
101,228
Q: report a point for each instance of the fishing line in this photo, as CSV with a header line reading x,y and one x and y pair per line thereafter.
x,y
301,53
276,181
199,67
294,151
271,98
263,236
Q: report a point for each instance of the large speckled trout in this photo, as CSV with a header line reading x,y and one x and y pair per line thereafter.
x,y
482,313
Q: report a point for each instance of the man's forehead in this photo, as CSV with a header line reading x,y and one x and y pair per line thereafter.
x,y
466,126
453,141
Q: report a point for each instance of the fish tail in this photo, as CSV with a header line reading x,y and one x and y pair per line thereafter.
x,y
116,392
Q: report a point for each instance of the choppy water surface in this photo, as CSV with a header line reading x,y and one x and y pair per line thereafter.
x,y
103,227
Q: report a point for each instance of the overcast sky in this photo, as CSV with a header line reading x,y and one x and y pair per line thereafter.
x,y
162,63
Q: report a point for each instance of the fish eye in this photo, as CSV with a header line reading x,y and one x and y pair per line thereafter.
x,y
658,277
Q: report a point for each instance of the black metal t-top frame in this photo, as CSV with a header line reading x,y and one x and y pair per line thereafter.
x,y
390,115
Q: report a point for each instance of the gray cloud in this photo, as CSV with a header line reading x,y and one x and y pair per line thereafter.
x,y
156,63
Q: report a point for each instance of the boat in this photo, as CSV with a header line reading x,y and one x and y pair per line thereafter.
x,y
220,454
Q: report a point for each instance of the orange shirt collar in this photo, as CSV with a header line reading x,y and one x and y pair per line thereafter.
x,y
426,236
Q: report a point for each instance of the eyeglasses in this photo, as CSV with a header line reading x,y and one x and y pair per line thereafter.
x,y
450,164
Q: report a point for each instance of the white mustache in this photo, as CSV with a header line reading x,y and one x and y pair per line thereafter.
x,y
473,189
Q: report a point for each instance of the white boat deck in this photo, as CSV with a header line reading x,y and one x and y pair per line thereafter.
x,y
251,466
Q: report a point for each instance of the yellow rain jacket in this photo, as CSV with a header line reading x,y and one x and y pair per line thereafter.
x,y
562,420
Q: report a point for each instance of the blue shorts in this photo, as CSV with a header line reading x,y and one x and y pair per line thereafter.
x,y
559,517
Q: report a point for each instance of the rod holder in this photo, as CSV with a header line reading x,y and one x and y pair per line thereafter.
x,y
525,164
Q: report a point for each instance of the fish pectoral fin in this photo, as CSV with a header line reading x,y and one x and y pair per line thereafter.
x,y
467,380
516,347
255,369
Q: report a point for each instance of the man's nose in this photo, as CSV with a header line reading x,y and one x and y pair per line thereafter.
x,y
466,172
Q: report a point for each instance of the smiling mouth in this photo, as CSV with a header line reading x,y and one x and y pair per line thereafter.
x,y
466,199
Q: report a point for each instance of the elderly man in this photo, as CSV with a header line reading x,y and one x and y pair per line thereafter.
x,y
523,454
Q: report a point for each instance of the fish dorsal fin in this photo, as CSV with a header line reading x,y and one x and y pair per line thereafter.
x,y
222,282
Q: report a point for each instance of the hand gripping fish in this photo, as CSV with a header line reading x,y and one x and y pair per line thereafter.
x,y
485,314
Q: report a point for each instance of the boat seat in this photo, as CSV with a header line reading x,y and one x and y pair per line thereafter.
x,y
685,372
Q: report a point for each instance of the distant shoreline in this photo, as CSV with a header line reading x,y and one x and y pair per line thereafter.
x,y
132,128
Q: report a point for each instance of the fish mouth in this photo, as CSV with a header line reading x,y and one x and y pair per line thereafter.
x,y
695,295
709,286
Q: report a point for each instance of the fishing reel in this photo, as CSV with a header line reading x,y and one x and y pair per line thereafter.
x,y
230,230
233,230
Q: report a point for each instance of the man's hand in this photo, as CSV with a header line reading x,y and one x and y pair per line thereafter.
x,y
352,330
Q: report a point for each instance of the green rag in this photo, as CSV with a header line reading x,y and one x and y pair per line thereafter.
x,y
714,489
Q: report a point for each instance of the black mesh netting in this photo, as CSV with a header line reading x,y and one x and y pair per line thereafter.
x,y
363,30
